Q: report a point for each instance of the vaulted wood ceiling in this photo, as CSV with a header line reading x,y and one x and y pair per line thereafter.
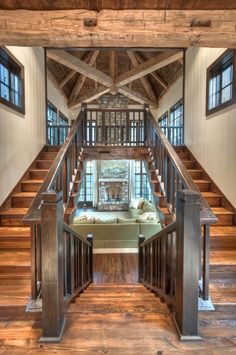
x,y
143,76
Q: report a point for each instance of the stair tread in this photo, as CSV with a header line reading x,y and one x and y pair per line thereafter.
x,y
25,194
221,210
210,194
39,170
15,231
195,170
223,231
32,181
201,181
14,211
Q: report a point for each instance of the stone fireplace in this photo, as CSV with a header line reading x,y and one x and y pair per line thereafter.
x,y
113,194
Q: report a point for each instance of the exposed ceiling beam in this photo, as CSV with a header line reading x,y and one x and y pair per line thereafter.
x,y
70,61
112,64
136,96
152,64
51,77
91,59
145,82
65,80
101,90
153,74
120,28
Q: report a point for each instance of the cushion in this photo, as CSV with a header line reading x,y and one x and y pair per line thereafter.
x,y
83,219
134,203
105,221
141,201
148,207
135,213
148,217
127,220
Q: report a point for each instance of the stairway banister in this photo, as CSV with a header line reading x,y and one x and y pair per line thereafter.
x,y
67,228
33,214
206,213
171,227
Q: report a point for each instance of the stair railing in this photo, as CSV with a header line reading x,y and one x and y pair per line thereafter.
x,y
47,230
168,264
173,176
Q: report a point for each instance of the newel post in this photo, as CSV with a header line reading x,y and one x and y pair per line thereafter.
x,y
52,267
141,260
187,264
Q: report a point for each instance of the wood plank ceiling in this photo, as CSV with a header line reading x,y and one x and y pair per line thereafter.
x,y
143,77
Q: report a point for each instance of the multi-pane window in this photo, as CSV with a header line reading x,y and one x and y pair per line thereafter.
x,y
220,82
11,81
57,125
141,182
171,124
86,190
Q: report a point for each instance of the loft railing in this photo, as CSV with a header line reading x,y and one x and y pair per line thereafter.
x,y
57,134
61,264
168,264
173,176
174,134
114,127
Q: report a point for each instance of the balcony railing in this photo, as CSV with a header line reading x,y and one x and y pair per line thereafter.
x,y
57,134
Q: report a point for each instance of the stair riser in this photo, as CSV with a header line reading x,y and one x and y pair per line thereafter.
x,y
214,201
196,175
184,156
30,187
51,148
204,187
37,174
44,164
189,164
47,156
11,221
15,243
21,202
6,271
224,220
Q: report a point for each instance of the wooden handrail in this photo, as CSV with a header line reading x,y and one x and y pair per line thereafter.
x,y
170,228
67,228
33,213
206,213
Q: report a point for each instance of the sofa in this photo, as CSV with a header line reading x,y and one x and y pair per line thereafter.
x,y
144,219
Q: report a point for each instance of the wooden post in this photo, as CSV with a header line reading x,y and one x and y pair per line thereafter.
x,y
187,270
52,267
206,252
90,257
140,257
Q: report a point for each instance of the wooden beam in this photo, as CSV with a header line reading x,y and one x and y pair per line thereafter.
x,y
133,95
119,28
145,82
88,98
51,77
79,66
153,74
65,80
91,59
112,64
152,64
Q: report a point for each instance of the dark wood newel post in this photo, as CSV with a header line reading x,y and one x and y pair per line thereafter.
x,y
52,267
90,256
187,264
140,257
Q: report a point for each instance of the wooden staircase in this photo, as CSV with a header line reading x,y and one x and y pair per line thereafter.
x,y
15,244
222,234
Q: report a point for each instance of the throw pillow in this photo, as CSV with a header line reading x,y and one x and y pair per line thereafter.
x,y
141,202
134,203
106,221
148,217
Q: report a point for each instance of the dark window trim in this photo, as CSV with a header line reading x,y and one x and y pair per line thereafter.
x,y
217,65
175,106
13,64
163,116
61,115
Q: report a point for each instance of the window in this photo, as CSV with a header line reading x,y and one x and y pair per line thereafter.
x,y
221,83
58,127
163,122
86,190
141,182
11,81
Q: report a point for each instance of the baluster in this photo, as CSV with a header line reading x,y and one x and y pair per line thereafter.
x,y
163,263
206,250
90,257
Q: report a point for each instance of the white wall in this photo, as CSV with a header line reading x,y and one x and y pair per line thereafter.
x,y
22,136
174,94
57,99
211,139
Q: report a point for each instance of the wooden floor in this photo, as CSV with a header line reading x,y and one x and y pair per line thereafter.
x,y
117,319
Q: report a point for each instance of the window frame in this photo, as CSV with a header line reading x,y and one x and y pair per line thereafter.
x,y
15,67
217,66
